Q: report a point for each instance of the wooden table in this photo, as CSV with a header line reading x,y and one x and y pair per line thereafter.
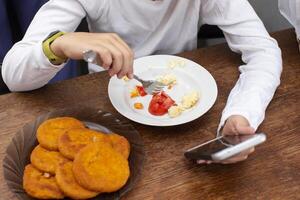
x,y
272,172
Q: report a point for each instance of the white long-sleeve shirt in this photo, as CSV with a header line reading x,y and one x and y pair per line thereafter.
x,y
290,9
157,27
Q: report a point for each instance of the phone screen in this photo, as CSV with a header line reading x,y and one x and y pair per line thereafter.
x,y
204,151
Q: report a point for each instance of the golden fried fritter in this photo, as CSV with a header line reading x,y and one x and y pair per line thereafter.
x,y
99,167
70,142
120,144
49,131
40,185
45,160
67,183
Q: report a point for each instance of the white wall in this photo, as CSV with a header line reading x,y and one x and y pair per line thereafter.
x,y
268,11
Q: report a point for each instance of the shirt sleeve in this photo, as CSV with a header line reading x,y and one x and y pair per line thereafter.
x,y
260,75
25,67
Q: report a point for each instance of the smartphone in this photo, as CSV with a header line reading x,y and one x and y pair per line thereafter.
x,y
224,147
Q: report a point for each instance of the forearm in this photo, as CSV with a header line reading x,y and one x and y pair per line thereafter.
x,y
251,95
260,76
25,66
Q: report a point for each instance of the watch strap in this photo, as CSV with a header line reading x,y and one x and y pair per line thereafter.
x,y
47,50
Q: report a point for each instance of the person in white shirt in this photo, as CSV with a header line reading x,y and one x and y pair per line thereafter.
x,y
122,30
290,9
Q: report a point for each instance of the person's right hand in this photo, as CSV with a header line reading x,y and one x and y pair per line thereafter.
x,y
113,53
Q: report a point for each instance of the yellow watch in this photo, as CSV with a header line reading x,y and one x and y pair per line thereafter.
x,y
47,50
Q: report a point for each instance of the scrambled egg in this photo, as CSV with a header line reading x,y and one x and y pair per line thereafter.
x,y
174,111
134,93
138,106
125,78
176,63
167,79
189,100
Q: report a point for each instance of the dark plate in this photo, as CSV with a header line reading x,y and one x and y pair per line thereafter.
x,y
19,150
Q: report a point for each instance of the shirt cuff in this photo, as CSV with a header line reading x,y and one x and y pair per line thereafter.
x,y
254,119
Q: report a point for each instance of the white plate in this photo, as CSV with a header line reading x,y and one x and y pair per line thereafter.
x,y
191,76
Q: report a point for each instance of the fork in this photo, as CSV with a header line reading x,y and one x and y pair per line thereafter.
x,y
150,86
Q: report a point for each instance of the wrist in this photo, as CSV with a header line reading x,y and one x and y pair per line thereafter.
x,y
55,47
57,57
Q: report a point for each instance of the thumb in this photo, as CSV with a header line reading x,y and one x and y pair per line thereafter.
x,y
244,130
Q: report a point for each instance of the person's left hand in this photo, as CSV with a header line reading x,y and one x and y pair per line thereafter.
x,y
235,125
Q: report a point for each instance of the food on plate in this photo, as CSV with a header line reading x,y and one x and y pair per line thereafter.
x,y
126,79
138,91
175,111
160,104
134,93
141,90
190,99
99,167
120,144
100,162
46,160
67,183
40,185
167,79
49,131
138,106
73,140
176,62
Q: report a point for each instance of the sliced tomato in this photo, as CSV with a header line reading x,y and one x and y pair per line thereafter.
x,y
160,104
141,90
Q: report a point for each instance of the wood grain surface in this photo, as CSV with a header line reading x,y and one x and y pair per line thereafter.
x,y
272,172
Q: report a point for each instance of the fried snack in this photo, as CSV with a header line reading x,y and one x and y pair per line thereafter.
x,y
67,183
40,185
45,160
49,131
99,167
120,144
71,141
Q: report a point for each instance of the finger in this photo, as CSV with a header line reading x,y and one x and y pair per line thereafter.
x,y
128,54
117,59
127,58
240,157
244,130
130,70
209,162
229,129
201,162
246,152
235,160
130,74
105,57
127,61
116,37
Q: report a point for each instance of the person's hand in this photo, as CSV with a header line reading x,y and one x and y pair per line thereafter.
x,y
113,53
236,125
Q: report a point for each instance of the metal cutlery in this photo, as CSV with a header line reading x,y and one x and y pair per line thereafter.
x,y
150,86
